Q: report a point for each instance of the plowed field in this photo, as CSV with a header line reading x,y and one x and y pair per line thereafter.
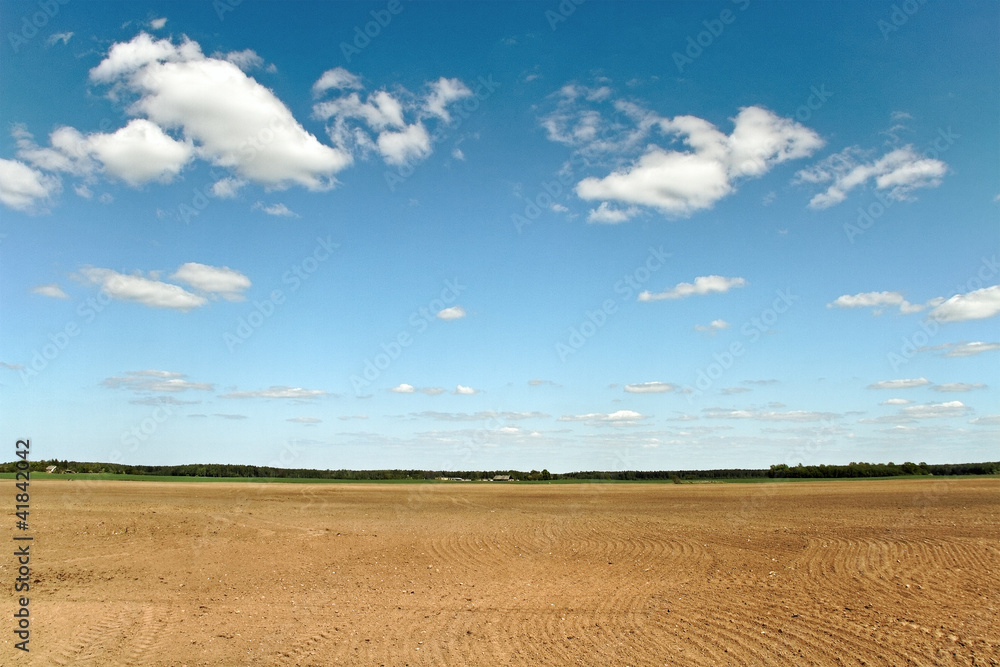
x,y
894,572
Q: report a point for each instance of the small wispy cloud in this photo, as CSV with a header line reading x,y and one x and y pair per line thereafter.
x,y
279,392
906,383
279,209
649,388
453,313
712,327
51,290
701,285
63,37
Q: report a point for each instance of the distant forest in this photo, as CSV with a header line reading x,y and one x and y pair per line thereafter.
x,y
781,471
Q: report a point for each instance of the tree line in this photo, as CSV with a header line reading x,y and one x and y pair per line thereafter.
x,y
779,471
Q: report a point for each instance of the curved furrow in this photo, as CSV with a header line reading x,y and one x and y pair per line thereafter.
x,y
827,638
833,557
147,639
89,645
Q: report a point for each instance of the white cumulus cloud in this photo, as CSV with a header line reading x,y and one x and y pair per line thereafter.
x,y
233,121
141,152
877,301
976,305
681,182
22,187
140,289
227,283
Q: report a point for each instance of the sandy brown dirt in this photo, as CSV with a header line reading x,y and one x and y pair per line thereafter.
x,y
818,573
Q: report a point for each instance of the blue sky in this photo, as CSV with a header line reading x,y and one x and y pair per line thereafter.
x,y
500,235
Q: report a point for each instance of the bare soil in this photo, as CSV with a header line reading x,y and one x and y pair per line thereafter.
x,y
893,572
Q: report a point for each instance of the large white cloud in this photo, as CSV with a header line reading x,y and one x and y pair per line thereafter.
x,y
681,182
137,153
210,281
235,121
976,305
187,106
140,289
